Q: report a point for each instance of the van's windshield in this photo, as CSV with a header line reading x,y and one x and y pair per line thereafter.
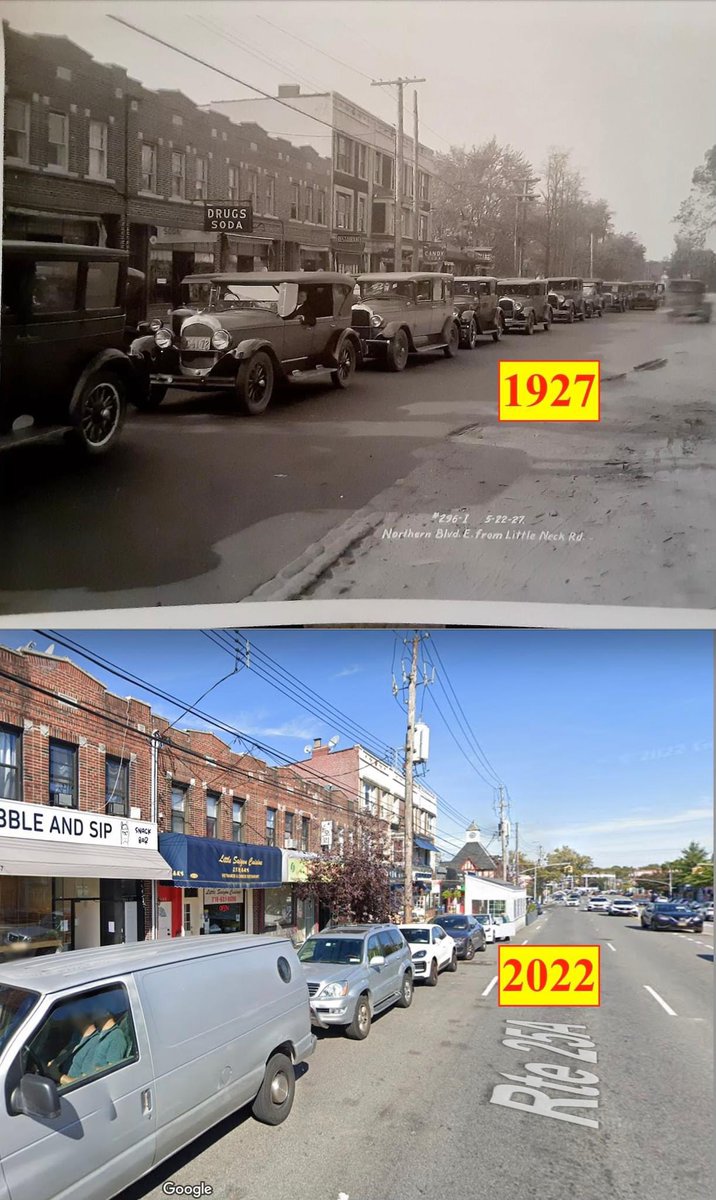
x,y
331,950
15,1004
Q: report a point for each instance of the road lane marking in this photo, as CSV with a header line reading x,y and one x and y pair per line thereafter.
x,y
659,1000
524,943
611,947
490,986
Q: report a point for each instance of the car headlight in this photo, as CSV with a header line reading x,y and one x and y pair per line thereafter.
x,y
221,340
163,338
518,308
420,954
333,991
155,324
376,321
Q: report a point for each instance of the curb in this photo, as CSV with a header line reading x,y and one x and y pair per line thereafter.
x,y
292,580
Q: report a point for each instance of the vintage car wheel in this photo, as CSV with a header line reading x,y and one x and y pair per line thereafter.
x,y
97,413
347,359
469,340
453,340
397,352
547,322
150,398
530,326
570,318
255,383
499,329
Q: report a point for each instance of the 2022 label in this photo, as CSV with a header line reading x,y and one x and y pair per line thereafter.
x,y
549,976
549,390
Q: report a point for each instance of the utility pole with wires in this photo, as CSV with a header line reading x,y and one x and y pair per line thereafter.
x,y
503,830
416,196
398,171
516,878
410,683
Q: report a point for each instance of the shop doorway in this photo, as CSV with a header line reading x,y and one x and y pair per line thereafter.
x,y
85,924
182,265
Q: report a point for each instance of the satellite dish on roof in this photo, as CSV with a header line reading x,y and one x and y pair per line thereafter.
x,y
334,740
307,749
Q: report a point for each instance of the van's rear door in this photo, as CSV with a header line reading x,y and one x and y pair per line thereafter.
x,y
104,1138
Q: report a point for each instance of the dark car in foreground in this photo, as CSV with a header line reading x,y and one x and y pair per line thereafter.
x,y
466,932
64,366
670,915
247,333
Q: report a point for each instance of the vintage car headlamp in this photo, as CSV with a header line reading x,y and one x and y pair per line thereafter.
x,y
220,340
517,307
333,991
376,321
155,324
163,338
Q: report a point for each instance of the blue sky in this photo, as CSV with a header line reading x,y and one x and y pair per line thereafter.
x,y
603,739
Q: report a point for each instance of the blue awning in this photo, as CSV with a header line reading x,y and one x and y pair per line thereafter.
x,y
210,862
423,844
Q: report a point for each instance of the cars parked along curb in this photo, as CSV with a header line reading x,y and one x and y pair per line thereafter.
x,y
477,309
525,304
403,313
432,949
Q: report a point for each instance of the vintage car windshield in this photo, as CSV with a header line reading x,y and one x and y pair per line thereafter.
x,y
466,289
377,289
232,297
15,1004
521,289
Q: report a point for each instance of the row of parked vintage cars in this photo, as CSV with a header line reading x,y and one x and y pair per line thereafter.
x,y
72,361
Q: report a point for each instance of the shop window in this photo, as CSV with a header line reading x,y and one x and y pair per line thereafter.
x,y
116,786
83,1037
233,185
305,833
17,130
270,826
278,909
149,167
212,813
98,150
178,809
63,774
237,820
178,175
57,141
10,763
102,282
201,179
55,287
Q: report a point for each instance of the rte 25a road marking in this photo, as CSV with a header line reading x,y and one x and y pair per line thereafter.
x,y
528,1092
659,1000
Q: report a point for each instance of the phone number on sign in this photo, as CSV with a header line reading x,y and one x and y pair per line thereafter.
x,y
565,390
548,976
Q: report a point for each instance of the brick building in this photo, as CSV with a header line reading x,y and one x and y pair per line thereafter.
x,y
92,156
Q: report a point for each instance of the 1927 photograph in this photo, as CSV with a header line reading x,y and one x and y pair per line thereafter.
x,y
262,263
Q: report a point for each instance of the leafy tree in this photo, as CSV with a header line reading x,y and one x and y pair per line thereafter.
x,y
353,880
697,215
694,866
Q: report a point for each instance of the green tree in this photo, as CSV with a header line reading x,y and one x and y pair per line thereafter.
x,y
353,881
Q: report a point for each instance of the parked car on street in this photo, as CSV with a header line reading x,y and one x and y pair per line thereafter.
x,y
504,928
64,366
598,904
525,304
670,915
709,911
403,313
569,291
623,906
615,296
644,295
354,972
432,949
111,1063
593,301
488,925
685,299
245,334
466,932
477,309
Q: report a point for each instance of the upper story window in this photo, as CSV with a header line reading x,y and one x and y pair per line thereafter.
x,y
201,180
270,826
295,201
407,179
361,161
17,130
424,183
63,774
237,819
116,786
253,186
361,213
58,140
10,763
305,833
212,813
288,825
234,184
178,808
383,171
343,160
149,167
270,208
98,149
309,208
178,175
343,211
321,207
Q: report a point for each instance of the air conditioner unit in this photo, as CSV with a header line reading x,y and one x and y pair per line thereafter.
x,y
290,843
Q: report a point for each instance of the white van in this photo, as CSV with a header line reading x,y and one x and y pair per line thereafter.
x,y
113,1059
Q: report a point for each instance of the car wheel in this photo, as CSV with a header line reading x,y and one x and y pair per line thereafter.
x,y
653,925
570,318
483,946
453,340
499,329
397,352
406,991
96,415
275,1096
470,952
347,360
548,323
452,965
530,326
150,398
432,979
471,340
255,383
359,1027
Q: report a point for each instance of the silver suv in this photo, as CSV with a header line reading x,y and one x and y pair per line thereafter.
x,y
354,972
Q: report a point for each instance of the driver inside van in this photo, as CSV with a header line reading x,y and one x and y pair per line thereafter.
x,y
99,1043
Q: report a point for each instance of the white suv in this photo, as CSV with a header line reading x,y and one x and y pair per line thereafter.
x,y
432,951
598,904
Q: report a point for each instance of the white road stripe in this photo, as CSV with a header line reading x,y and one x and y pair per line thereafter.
x,y
659,1000
611,947
490,986
524,943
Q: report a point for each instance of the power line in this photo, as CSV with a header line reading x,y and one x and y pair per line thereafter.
x,y
462,718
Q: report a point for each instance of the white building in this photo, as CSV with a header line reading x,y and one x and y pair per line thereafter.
x,y
483,895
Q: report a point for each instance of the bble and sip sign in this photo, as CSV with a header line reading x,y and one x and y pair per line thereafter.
x,y
50,823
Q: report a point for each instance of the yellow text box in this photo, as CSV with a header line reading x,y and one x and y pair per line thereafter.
x,y
549,390
549,976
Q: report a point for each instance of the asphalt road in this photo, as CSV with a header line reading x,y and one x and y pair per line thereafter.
x,y
200,505
409,1113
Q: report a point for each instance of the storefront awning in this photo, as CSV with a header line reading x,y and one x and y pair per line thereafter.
x,y
71,860
423,844
210,862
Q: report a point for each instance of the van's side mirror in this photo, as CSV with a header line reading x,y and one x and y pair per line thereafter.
x,y
378,961
287,299
36,1096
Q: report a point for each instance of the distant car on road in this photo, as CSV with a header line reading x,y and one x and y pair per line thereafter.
x,y
622,906
669,915
709,911
598,904
433,950
573,900
467,933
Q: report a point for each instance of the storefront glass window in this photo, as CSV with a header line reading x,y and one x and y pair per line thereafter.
x,y
28,924
63,774
10,763
278,910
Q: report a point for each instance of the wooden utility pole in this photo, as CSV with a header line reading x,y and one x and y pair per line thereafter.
x,y
517,854
416,197
503,833
409,756
398,168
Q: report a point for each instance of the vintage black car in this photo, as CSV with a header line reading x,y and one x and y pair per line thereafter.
x,y
593,301
644,294
569,291
477,309
402,313
64,366
686,298
246,333
525,304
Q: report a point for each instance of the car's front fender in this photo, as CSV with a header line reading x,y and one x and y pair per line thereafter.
x,y
250,346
